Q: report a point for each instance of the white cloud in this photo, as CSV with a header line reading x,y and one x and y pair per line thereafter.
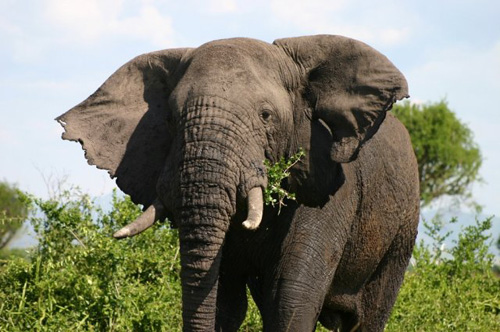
x,y
304,11
149,25
27,50
393,35
222,6
7,136
17,43
85,19
40,86
467,76
9,28
323,16
310,14
92,21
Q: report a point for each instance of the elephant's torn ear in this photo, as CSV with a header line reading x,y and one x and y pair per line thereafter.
x,y
122,126
350,85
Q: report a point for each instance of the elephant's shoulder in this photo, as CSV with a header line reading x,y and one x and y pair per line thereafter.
x,y
391,139
393,127
388,154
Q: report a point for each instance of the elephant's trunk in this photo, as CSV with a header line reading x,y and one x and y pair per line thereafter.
x,y
203,219
200,248
218,166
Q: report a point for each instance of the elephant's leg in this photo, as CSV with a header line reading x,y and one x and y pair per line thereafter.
x,y
294,303
293,295
295,299
231,302
380,292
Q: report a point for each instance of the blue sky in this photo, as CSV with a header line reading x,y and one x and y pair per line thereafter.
x,y
55,53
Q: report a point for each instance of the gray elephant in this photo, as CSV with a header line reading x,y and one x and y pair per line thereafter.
x,y
186,131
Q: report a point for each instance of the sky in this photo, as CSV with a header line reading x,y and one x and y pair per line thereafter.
x,y
55,53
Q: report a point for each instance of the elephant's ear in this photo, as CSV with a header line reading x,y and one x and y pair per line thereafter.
x,y
349,84
122,126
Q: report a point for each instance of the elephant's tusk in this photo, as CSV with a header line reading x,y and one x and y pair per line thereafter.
x,y
154,212
255,208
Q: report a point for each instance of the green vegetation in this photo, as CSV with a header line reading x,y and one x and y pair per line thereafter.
x,y
450,290
448,158
276,173
79,278
12,213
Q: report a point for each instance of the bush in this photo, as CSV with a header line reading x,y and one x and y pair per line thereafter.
x,y
12,213
450,290
79,278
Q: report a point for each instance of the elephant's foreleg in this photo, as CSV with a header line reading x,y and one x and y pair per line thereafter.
x,y
294,293
296,302
231,302
296,298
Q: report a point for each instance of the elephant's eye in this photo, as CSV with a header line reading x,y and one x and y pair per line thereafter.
x,y
265,115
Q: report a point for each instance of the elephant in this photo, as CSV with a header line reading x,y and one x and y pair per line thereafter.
x,y
186,131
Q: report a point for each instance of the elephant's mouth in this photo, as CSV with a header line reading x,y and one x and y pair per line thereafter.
x,y
157,211
211,151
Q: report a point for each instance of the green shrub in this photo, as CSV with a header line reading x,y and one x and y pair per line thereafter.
x,y
450,290
12,213
79,278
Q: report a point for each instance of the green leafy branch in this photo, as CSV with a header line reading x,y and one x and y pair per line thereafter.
x,y
274,194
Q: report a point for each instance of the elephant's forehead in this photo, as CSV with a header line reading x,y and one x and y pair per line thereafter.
x,y
242,69
234,53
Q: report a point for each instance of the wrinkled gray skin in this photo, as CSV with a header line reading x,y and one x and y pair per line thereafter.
x,y
189,129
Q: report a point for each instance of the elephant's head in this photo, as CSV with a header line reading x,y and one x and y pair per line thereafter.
x,y
186,131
